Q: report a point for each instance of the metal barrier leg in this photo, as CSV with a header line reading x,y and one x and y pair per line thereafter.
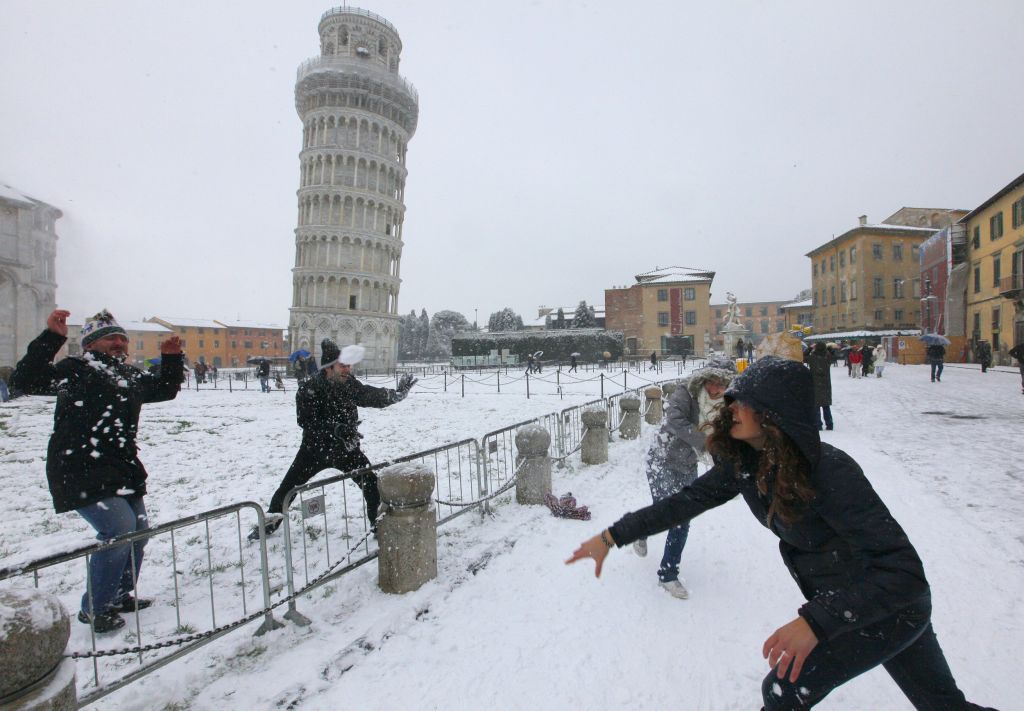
x,y
292,615
269,623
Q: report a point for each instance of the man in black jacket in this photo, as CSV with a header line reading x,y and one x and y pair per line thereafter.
x,y
936,353
92,464
327,410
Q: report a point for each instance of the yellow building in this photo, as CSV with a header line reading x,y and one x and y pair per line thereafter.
x,y
995,234
667,311
869,278
798,315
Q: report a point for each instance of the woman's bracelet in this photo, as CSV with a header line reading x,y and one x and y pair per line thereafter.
x,y
606,539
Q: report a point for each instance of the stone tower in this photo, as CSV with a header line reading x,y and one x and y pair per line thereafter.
x,y
357,115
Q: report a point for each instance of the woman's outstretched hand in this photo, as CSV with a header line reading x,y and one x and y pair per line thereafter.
x,y
788,648
592,548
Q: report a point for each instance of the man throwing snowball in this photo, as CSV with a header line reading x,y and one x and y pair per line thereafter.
x,y
92,463
327,409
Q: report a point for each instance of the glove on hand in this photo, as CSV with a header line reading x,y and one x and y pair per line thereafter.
x,y
405,385
347,436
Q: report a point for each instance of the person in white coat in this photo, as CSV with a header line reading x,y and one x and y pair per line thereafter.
x,y
880,356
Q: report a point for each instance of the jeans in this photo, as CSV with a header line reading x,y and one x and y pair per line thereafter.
x,y
936,370
265,384
904,643
112,574
825,411
674,543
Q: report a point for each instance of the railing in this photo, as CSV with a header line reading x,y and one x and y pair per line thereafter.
x,y
1011,284
194,564
358,69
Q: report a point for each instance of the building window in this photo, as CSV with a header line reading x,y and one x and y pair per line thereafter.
x,y
764,325
764,310
689,294
691,318
842,259
977,278
878,289
352,301
915,252
750,311
853,254
824,297
663,318
876,250
183,329
879,315
916,286
842,291
139,345
995,319
780,326
822,266
853,290
997,269
897,315
216,344
976,238
814,269
200,329
202,344
234,345
248,345
246,332
897,252
897,288
1018,213
977,325
718,313
832,294
995,225
831,262
662,294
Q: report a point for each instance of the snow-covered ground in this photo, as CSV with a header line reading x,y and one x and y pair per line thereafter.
x,y
506,625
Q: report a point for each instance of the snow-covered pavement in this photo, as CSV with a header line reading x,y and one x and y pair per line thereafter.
x,y
506,625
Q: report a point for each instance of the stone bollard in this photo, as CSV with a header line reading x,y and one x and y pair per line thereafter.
x,y
667,389
630,427
655,410
532,443
34,632
594,448
407,535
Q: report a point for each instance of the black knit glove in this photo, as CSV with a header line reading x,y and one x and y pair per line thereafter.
x,y
405,384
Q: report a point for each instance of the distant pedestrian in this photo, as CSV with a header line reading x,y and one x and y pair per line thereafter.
x,y
92,462
935,354
263,373
310,366
867,354
983,354
855,359
879,359
750,351
740,348
654,360
5,393
529,363
821,372
572,363
1018,352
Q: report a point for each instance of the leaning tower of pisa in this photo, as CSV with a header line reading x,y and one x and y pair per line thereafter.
x,y
358,115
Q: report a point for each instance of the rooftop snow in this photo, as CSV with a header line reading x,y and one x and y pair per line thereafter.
x,y
191,322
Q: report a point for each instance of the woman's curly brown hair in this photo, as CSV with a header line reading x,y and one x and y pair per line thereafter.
x,y
781,468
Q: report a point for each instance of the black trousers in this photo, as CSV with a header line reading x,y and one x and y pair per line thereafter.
x,y
904,643
309,462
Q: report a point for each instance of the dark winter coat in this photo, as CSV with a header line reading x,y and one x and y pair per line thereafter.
x,y
935,353
1018,352
327,412
852,560
673,457
92,453
820,364
263,369
985,353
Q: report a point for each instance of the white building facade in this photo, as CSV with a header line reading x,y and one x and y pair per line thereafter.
x,y
358,115
28,280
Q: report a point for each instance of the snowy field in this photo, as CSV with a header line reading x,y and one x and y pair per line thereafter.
x,y
506,625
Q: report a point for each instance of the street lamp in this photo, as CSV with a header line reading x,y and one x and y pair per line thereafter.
x,y
476,325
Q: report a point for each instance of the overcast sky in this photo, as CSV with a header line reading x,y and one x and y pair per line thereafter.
x,y
562,146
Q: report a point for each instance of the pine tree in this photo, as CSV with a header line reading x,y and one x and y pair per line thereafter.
x,y
584,316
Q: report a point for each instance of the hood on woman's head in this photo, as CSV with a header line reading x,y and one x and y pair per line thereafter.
x,y
784,391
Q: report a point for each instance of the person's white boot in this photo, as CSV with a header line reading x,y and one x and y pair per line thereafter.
x,y
676,589
640,547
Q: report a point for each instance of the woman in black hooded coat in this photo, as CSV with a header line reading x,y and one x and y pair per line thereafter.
x,y
868,602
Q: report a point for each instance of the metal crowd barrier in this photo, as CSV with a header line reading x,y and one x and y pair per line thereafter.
x,y
202,562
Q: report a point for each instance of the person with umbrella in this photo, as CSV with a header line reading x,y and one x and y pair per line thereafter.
x,y
983,353
935,353
572,362
1018,352
326,406
298,361
263,373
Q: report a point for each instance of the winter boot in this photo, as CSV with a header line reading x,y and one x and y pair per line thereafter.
x,y
131,604
102,622
640,547
675,588
271,523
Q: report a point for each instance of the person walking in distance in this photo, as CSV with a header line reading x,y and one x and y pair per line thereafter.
x,y
327,411
868,602
673,457
983,354
92,462
1018,352
856,358
819,362
654,360
572,364
263,372
936,353
879,359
